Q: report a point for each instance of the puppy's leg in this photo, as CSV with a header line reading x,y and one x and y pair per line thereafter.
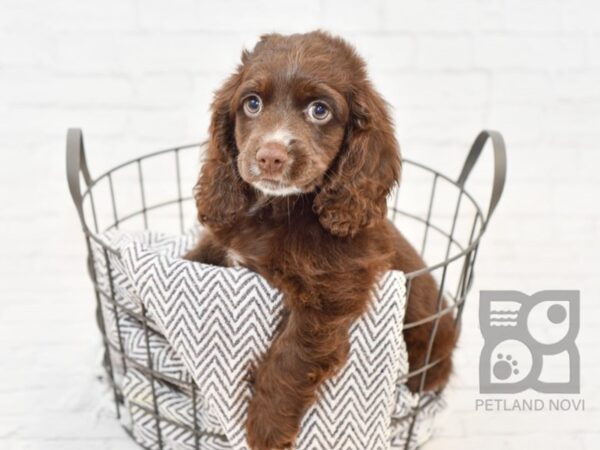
x,y
422,303
309,350
208,251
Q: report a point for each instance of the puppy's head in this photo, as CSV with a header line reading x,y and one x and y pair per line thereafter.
x,y
299,115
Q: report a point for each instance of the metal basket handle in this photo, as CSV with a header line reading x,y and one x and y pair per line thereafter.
x,y
499,166
76,166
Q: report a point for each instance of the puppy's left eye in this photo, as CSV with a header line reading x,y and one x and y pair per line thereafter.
x,y
318,112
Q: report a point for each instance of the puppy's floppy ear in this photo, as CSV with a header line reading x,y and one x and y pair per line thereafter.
x,y
355,189
221,195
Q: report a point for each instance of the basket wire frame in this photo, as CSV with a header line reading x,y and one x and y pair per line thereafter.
x,y
85,203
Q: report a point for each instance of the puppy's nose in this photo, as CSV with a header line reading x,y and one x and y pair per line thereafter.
x,y
271,158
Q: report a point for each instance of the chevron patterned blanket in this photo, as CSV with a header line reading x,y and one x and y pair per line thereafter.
x,y
209,324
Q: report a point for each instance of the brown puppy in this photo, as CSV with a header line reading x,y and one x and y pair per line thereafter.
x,y
300,160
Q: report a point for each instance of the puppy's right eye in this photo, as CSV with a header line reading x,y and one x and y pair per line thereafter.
x,y
252,105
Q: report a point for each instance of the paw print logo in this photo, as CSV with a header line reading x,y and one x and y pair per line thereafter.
x,y
505,367
522,334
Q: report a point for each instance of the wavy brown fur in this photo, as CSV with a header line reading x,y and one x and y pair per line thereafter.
x,y
324,248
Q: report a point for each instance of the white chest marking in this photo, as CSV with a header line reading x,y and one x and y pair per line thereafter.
x,y
234,258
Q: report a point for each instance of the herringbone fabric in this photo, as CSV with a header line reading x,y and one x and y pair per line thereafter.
x,y
220,320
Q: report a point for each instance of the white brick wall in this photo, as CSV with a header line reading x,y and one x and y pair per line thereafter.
x,y
138,75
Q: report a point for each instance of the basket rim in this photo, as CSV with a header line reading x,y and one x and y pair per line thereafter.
x,y
474,240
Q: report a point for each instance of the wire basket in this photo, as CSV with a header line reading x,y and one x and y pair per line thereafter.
x,y
154,192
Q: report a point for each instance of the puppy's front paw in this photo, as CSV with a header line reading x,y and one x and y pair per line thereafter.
x,y
266,429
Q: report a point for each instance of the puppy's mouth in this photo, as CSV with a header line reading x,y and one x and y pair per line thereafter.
x,y
275,188
278,184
